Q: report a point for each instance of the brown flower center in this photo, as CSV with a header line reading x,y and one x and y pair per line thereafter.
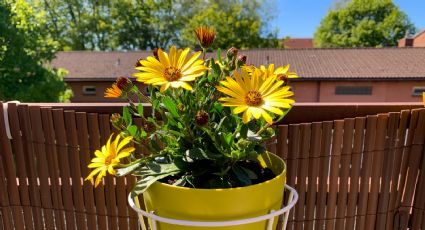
x,y
172,73
108,160
253,98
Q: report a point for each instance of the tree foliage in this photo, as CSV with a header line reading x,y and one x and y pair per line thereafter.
x,y
141,25
24,48
363,23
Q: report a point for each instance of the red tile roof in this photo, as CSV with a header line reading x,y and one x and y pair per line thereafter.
x,y
298,43
364,63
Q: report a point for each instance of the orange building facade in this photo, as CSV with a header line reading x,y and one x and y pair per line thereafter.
x,y
326,75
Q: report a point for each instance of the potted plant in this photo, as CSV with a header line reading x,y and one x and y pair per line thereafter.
x,y
210,118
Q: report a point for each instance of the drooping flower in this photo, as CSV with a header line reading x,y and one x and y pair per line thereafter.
x,y
255,96
113,92
201,118
109,157
124,83
205,36
173,70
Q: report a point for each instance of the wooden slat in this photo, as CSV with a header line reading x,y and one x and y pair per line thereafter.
x,y
34,192
5,212
398,156
75,168
313,174
282,141
325,150
83,141
105,131
21,173
388,165
378,157
344,172
355,172
65,172
414,159
366,171
52,158
10,173
42,166
333,174
122,203
99,193
293,154
305,135
418,211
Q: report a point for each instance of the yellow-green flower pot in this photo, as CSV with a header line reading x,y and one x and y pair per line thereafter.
x,y
219,204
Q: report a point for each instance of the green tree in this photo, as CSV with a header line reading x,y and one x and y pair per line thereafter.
x,y
237,23
363,23
148,24
25,48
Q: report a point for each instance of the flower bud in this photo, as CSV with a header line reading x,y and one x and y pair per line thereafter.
x,y
241,60
138,64
148,127
232,53
124,83
116,120
201,118
205,36
155,53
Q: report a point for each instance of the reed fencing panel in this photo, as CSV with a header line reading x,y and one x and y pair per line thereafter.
x,y
364,172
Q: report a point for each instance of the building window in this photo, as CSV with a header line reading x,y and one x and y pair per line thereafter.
x,y
417,91
353,90
89,90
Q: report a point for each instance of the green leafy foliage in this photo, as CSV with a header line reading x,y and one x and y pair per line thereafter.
x,y
25,48
141,25
363,23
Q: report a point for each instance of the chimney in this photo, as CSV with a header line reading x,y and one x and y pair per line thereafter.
x,y
405,42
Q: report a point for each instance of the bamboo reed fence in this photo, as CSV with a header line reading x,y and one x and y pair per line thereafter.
x,y
364,172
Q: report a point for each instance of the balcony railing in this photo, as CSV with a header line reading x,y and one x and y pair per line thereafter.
x,y
355,166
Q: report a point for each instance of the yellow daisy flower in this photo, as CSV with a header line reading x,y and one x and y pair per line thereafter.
x,y
113,92
109,157
282,73
173,70
255,95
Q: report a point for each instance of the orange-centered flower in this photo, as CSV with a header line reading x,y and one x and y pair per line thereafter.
x,y
255,95
173,70
109,157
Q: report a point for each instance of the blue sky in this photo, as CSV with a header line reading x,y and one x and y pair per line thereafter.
x,y
299,18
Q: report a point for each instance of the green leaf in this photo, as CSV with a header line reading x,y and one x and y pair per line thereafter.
x,y
153,168
244,131
241,175
143,184
155,146
196,154
132,129
170,106
219,54
127,170
126,115
140,109
253,136
251,175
